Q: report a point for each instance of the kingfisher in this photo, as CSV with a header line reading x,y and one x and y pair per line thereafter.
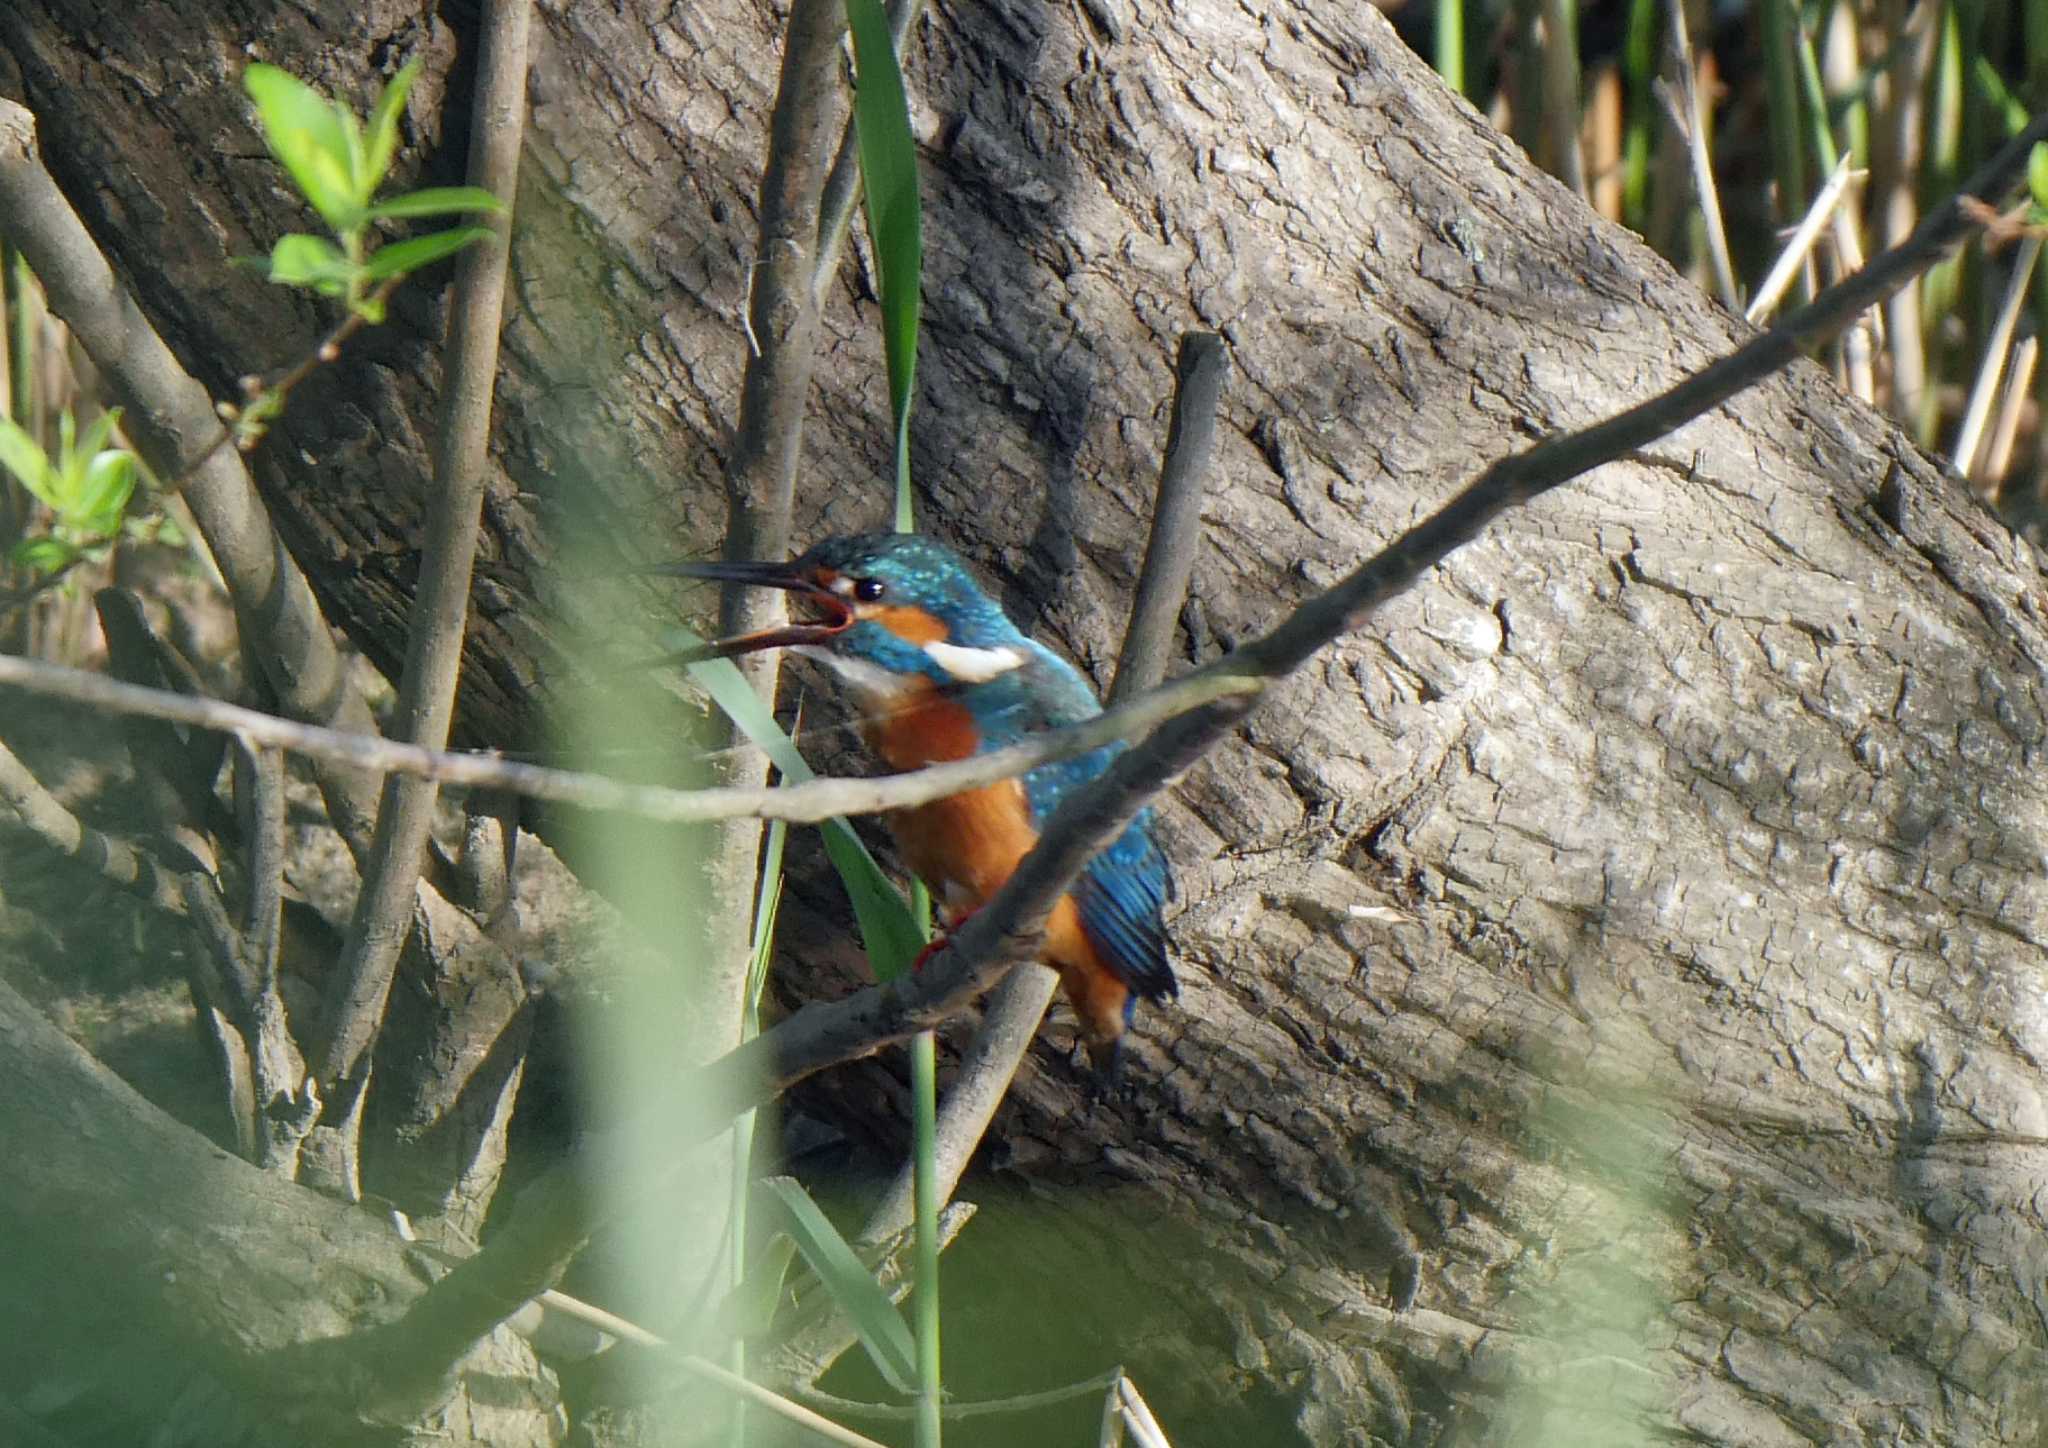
x,y
940,673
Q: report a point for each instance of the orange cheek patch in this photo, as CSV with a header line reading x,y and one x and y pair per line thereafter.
x,y
912,625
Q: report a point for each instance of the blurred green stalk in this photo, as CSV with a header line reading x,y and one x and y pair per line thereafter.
x,y
1450,43
1781,40
924,1080
1639,74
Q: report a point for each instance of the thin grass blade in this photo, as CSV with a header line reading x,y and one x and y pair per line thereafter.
x,y
888,167
881,1327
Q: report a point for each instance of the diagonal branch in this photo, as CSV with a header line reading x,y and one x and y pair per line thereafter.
x,y
825,1033
760,479
1515,480
760,476
41,814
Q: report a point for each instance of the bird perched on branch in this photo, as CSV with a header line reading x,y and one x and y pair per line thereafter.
x,y
940,673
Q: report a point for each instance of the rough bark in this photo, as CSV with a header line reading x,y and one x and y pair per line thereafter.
x,y
166,1279
1702,1099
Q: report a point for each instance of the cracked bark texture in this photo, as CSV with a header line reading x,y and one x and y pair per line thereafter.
x,y
1701,1102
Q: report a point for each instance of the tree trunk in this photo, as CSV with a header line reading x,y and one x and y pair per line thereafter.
x,y
1698,1099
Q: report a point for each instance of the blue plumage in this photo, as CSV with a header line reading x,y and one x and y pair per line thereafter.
x,y
942,673
1122,893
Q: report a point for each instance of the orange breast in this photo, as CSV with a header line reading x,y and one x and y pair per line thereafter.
x,y
965,846
920,726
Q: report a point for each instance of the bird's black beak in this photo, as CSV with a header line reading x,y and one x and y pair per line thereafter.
x,y
830,615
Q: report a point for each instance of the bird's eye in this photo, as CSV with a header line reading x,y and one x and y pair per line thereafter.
x,y
867,590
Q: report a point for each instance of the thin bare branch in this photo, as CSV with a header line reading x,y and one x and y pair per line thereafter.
x,y
1693,121
1997,347
1176,516
1800,244
800,804
260,781
1516,479
810,106
384,906
1897,138
1559,59
326,350
2018,388
782,331
39,812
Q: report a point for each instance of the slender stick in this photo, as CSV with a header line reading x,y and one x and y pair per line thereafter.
x,y
1793,257
760,478
1984,392
1561,83
980,1408
1896,143
1696,126
1176,516
2018,385
808,803
540,1238
426,700
41,814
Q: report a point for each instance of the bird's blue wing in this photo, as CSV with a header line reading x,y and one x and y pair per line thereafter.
x,y
1121,895
1122,892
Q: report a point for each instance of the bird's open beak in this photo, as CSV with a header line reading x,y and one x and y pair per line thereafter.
x,y
830,615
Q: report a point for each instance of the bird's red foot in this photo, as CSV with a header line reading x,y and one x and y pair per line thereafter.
x,y
940,941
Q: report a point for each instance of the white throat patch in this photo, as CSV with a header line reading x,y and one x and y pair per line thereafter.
x,y
871,680
974,666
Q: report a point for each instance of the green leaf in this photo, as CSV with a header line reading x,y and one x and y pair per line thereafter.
x,y
753,1304
308,136
439,201
358,161
300,260
852,1286
2011,109
23,456
380,143
767,905
44,555
2037,173
888,169
97,435
887,927
409,256
109,483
